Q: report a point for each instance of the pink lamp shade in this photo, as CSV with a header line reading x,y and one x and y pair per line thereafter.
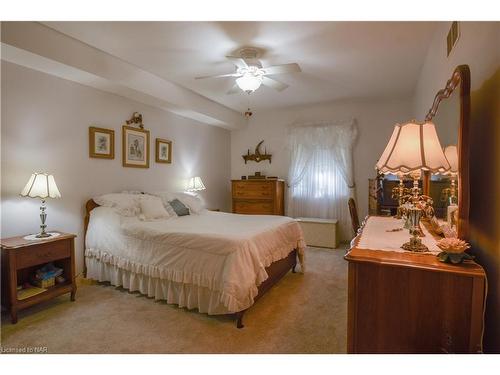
x,y
451,153
413,147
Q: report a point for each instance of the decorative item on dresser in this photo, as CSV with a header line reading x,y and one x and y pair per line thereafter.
x,y
383,195
21,258
43,186
258,197
405,302
413,148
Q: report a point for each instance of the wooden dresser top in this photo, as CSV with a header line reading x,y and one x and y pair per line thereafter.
x,y
19,241
424,261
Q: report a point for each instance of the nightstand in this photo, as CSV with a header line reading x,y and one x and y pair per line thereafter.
x,y
21,258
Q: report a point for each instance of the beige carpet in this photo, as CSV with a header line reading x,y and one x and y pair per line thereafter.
x,y
301,314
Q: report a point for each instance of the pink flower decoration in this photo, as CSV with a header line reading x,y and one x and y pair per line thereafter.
x,y
453,245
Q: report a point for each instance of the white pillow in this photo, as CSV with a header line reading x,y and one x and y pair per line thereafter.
x,y
123,204
193,202
132,192
166,197
152,209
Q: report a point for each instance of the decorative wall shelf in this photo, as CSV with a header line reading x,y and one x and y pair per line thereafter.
x,y
257,156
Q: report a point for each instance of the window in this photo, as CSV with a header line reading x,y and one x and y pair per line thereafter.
x,y
320,177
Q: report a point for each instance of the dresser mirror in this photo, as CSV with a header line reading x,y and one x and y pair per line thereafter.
x,y
450,114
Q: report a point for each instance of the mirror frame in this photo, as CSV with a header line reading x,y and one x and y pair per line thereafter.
x,y
461,79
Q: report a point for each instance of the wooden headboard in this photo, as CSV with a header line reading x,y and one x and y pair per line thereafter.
x,y
89,206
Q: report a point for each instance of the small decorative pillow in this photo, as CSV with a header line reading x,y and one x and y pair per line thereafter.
x,y
193,202
123,204
179,207
165,196
152,209
169,209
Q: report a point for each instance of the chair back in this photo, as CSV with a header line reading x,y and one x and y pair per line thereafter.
x,y
354,215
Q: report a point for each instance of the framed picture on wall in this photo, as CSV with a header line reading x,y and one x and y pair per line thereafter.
x,y
135,147
101,143
163,151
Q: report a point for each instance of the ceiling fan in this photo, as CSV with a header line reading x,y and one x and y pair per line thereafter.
x,y
251,75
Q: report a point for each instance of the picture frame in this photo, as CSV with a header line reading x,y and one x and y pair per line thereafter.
x,y
135,147
163,151
101,143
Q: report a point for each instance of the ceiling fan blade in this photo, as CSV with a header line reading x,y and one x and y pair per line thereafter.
x,y
280,69
238,61
279,86
219,76
233,90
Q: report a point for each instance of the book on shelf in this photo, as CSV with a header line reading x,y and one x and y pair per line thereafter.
x,y
29,292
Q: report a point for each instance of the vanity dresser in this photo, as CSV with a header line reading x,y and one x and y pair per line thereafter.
x,y
258,197
407,302
404,302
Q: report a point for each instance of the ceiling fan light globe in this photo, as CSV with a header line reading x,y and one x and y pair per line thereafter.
x,y
249,82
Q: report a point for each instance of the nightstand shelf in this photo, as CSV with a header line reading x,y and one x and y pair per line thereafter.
x,y
21,258
51,292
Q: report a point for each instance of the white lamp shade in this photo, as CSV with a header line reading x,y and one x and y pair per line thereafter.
x,y
249,82
413,147
451,153
195,184
41,185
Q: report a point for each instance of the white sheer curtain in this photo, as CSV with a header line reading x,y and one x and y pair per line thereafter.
x,y
321,174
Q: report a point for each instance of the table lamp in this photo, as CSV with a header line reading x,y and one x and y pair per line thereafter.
x,y
195,184
41,185
413,147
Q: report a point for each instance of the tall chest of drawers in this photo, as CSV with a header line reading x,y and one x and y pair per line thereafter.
x,y
258,197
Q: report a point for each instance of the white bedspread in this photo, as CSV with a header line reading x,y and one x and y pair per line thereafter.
x,y
225,253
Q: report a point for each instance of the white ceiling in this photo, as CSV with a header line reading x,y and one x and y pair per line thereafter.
x,y
338,59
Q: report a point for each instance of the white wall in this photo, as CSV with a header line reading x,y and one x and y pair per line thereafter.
x,y
45,123
476,47
375,120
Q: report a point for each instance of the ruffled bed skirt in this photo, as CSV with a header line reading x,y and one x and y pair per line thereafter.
x,y
184,295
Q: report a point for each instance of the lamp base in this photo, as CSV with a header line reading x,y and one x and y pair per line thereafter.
x,y
415,244
43,235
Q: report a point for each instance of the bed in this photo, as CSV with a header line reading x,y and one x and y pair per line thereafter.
x,y
217,263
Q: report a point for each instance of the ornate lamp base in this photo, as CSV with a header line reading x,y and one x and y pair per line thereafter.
x,y
43,218
415,244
